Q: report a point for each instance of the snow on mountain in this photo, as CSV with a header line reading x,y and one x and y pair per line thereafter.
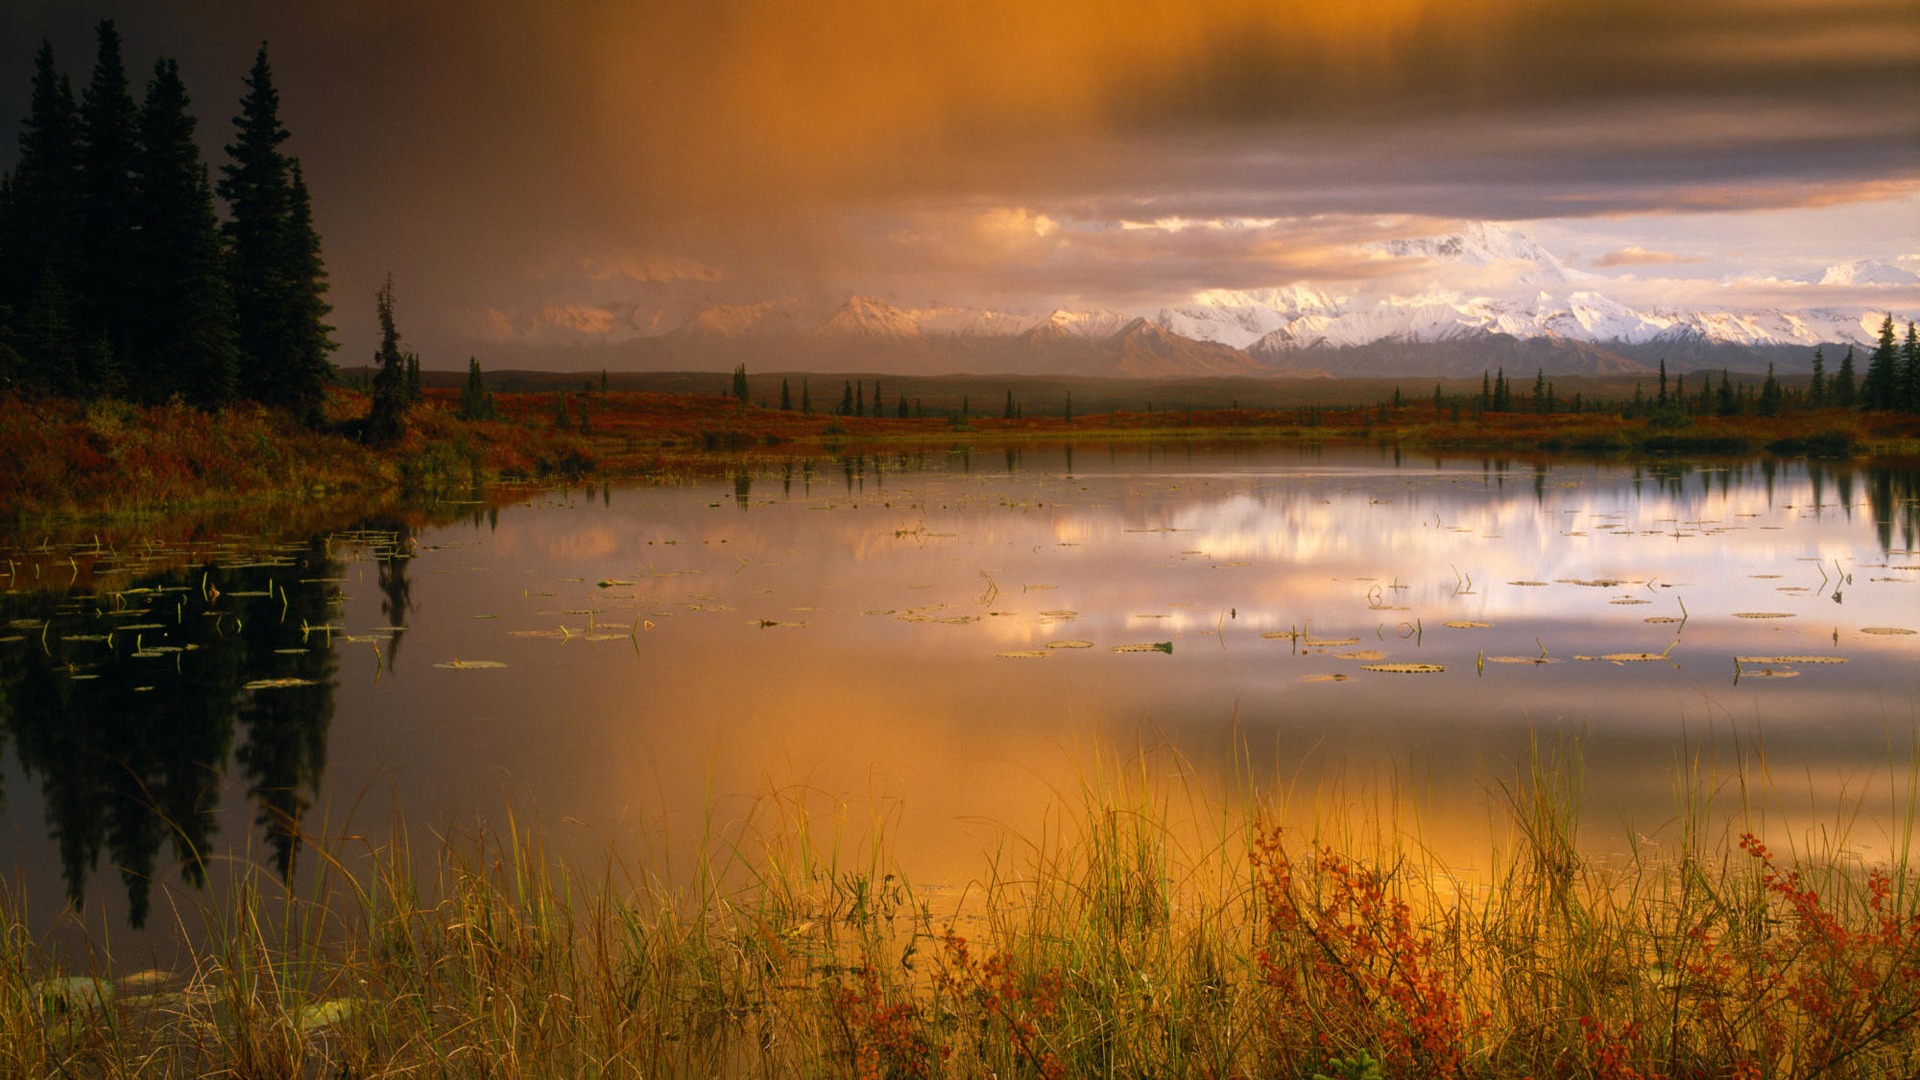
x,y
1481,244
968,322
739,320
1866,272
868,317
1064,325
1483,291
1537,295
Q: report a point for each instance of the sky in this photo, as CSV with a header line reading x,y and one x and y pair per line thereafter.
x,y
518,165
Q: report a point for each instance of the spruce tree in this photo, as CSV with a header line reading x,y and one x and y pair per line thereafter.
x,y
1770,395
278,279
1910,370
1843,385
739,388
1007,413
308,365
108,154
476,402
37,255
1880,388
182,328
1817,386
390,376
806,397
786,396
900,411
1729,405
846,400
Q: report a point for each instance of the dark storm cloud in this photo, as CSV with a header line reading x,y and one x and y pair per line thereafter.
x,y
486,150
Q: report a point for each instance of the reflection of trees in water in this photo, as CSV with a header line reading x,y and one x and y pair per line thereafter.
x,y
396,592
1893,497
126,711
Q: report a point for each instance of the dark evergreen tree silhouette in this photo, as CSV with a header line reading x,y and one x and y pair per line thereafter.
x,y
1770,396
1817,386
476,401
182,338
309,364
279,282
1881,387
108,154
390,376
739,389
1910,370
1843,381
38,219
786,396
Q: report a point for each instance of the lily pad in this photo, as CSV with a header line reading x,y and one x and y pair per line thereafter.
x,y
1329,677
277,684
1406,669
1763,615
470,665
1886,631
1022,654
323,1014
1790,659
1070,644
1150,646
1467,624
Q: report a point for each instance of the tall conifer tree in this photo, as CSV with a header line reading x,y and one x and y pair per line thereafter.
x,y
255,185
1910,370
37,223
390,377
1843,384
108,153
1880,389
309,345
182,334
278,279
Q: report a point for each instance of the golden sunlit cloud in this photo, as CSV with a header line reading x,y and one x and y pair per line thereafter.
x,y
1635,255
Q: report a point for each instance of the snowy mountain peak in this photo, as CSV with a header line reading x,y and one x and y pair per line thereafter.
x,y
1087,325
1868,272
870,317
1487,245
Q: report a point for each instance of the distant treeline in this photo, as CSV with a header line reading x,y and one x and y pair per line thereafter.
x,y
118,277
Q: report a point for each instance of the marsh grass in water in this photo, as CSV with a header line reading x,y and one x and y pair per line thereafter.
x,y
1146,930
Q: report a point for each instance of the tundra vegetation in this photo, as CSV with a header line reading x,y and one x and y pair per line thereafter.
x,y
1160,933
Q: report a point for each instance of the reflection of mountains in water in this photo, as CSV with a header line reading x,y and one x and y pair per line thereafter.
x,y
125,706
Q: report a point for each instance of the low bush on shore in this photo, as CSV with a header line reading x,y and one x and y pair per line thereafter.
x,y
1154,937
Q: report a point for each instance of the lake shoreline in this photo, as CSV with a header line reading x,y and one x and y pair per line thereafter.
x,y
117,464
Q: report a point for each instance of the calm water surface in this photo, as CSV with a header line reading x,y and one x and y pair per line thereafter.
x,y
948,643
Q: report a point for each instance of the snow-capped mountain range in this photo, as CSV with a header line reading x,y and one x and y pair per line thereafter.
x,y
1533,309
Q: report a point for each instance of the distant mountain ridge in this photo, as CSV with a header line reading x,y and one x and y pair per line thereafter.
x,y
1544,315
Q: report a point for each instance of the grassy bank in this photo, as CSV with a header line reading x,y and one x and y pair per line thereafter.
x,y
107,460
1156,935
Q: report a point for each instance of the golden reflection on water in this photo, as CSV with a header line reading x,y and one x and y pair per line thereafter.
x,y
842,645
692,666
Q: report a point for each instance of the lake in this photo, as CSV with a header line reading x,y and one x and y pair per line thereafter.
x,y
944,645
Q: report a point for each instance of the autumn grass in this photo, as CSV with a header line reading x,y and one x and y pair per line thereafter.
x,y
1147,930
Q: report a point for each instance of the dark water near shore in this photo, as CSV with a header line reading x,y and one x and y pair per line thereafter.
x,y
947,642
